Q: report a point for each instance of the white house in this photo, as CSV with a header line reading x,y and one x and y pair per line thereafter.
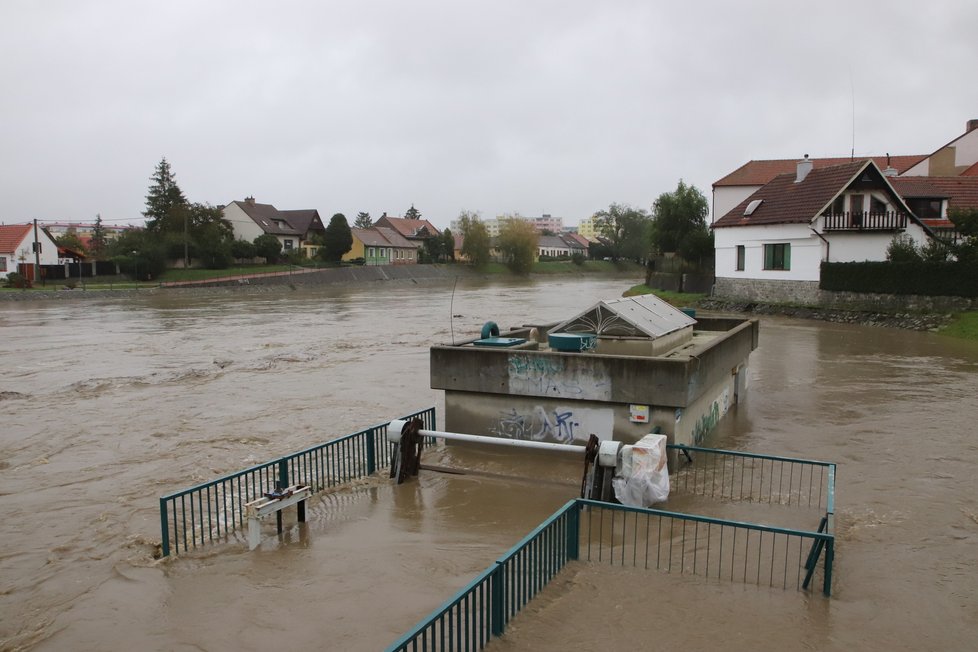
x,y
293,228
770,246
17,249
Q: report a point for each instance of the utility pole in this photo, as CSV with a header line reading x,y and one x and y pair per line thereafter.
x,y
37,254
186,252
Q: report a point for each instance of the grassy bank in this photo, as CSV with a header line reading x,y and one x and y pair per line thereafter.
x,y
963,326
680,299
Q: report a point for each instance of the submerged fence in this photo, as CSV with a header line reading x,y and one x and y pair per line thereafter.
x,y
482,608
654,539
211,511
751,477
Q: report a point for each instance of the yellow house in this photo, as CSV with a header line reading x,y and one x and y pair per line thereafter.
x,y
380,245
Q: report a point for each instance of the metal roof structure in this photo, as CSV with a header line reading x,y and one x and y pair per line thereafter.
x,y
646,315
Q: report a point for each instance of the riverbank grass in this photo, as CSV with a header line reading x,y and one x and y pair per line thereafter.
x,y
963,326
678,299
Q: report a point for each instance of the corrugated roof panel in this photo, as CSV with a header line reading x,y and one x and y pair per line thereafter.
x,y
631,316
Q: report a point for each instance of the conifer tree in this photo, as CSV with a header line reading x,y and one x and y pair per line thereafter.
x,y
164,201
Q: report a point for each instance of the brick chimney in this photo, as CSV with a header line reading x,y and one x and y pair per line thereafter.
x,y
972,125
250,201
804,167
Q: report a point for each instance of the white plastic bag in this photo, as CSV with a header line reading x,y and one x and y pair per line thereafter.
x,y
644,476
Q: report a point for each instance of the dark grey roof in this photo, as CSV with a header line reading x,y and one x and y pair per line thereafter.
x,y
304,220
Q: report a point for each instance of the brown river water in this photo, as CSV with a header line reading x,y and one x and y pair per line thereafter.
x,y
107,404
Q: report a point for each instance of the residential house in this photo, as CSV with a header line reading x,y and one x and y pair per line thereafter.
x,y
414,231
381,245
577,243
750,177
553,246
293,228
564,245
770,246
22,246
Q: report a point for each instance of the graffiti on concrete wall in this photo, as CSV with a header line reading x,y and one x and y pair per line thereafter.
x,y
546,376
562,424
711,417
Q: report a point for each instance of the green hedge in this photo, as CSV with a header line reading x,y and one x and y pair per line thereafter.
x,y
921,278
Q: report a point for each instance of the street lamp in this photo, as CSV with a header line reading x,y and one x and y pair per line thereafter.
x,y
135,266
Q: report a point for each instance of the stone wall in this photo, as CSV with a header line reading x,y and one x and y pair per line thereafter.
x,y
767,291
807,293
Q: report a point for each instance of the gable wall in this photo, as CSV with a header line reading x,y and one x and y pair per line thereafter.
x,y
244,227
726,198
949,161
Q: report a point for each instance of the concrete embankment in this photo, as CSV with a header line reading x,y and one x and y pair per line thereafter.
x,y
923,321
352,276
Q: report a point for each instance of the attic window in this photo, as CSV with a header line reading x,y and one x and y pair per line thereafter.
x,y
264,222
751,207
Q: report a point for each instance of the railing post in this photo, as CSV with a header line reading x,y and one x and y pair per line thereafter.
x,y
283,473
829,557
164,528
574,531
497,624
371,451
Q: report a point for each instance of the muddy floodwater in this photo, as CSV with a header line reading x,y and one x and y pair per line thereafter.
x,y
106,404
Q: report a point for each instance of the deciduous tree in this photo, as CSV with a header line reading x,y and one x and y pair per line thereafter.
x,y
517,242
679,223
267,246
448,244
475,238
624,230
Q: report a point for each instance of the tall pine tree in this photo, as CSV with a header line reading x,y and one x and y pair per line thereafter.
x,y
363,221
412,213
97,243
164,201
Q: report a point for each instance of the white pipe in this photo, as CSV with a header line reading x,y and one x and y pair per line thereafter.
x,y
502,441
394,436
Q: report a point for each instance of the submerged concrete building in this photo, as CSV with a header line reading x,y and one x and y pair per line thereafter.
x,y
617,370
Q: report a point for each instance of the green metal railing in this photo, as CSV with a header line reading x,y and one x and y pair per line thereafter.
x,y
653,539
482,608
738,476
211,511
674,542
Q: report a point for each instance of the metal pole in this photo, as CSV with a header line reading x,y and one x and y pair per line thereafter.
x,y
501,441
37,254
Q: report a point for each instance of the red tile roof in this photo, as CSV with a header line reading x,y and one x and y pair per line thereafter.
x,y
404,226
11,236
971,172
787,202
757,173
381,236
960,192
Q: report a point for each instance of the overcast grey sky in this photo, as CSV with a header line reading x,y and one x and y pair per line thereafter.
x,y
507,106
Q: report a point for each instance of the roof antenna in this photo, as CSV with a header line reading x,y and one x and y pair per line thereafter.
x,y
852,88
